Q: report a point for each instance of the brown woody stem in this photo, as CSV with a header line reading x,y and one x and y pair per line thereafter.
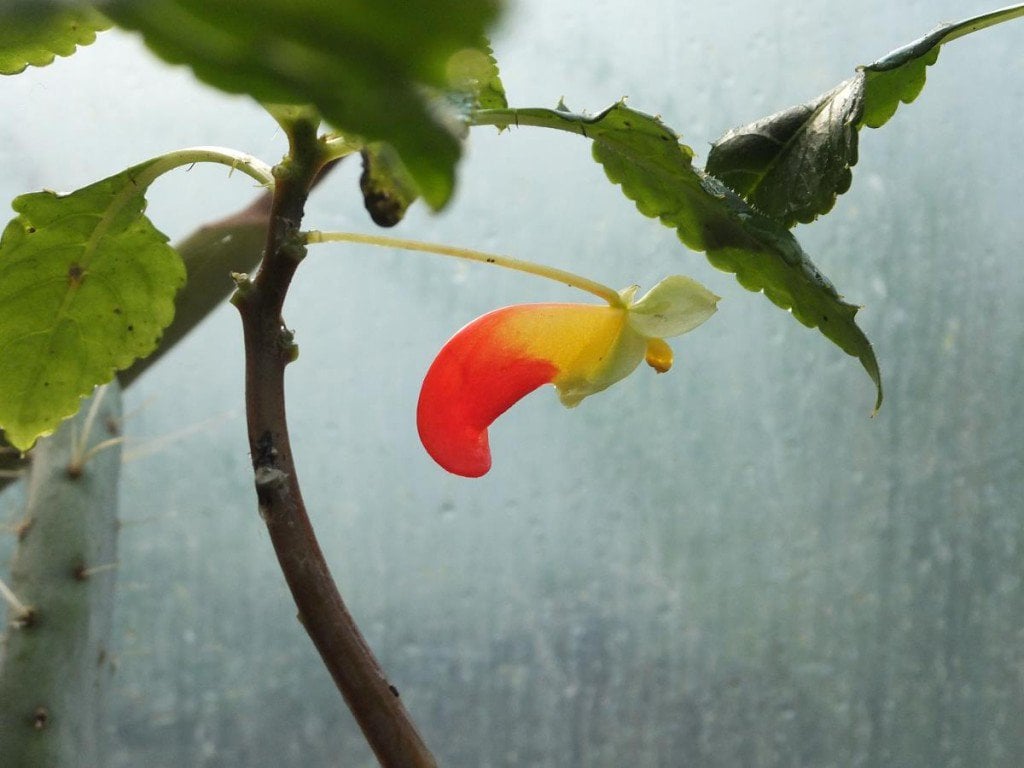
x,y
268,350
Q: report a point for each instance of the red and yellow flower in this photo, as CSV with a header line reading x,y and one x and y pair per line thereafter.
x,y
501,357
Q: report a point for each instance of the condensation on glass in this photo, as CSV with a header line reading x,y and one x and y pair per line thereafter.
x,y
729,565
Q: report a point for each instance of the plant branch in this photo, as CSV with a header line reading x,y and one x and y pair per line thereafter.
x,y
269,348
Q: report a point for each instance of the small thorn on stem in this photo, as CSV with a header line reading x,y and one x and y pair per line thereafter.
x,y
22,615
21,529
81,573
80,452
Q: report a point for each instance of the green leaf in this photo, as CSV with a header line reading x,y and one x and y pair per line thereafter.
x,y
387,188
645,158
891,87
33,35
474,71
792,165
363,65
210,254
87,285
900,75
473,83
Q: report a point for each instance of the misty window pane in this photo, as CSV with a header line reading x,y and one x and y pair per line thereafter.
x,y
729,565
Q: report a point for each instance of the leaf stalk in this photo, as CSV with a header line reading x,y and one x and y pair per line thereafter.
x,y
506,262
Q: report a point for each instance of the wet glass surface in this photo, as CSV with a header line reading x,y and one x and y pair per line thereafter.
x,y
730,565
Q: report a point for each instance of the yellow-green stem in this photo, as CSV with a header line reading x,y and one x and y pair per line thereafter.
x,y
558,275
239,161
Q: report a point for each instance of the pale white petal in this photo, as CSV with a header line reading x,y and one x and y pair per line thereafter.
x,y
674,306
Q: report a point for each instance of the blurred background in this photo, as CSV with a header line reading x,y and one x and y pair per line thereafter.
x,y
730,565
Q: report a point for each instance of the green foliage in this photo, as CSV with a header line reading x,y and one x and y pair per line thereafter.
x,y
473,83
792,165
87,285
900,75
210,254
363,65
474,72
882,90
35,35
644,156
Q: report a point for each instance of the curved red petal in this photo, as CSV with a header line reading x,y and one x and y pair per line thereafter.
x,y
477,376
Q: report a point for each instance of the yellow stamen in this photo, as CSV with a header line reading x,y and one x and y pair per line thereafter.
x,y
659,355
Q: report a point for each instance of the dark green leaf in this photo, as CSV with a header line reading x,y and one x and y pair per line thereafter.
x,y
362,64
645,158
793,164
388,191
33,35
87,285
